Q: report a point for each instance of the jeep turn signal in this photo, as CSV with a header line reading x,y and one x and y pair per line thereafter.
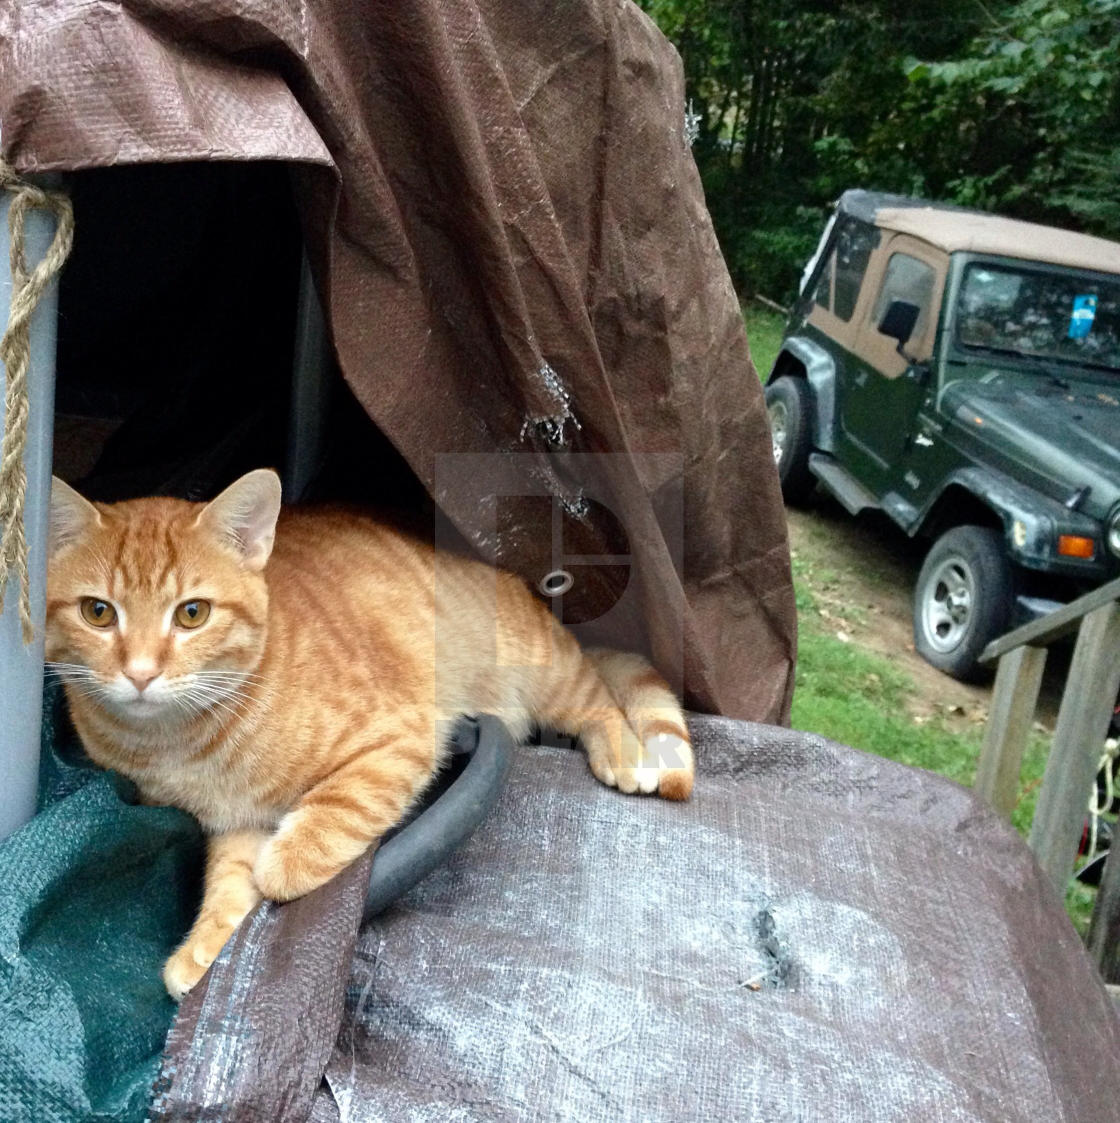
x,y
1074,546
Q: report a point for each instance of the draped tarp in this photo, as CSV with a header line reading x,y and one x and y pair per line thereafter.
x,y
507,229
819,935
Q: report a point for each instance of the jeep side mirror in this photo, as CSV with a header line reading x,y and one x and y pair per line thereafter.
x,y
898,321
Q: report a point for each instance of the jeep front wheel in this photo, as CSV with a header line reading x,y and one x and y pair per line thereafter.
x,y
787,409
962,600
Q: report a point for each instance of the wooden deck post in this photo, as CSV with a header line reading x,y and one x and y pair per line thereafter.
x,y
1104,931
1014,698
1087,702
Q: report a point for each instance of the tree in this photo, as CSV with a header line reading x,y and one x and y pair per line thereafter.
x,y
1027,121
1013,109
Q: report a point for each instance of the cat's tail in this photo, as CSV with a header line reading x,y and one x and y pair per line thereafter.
x,y
654,714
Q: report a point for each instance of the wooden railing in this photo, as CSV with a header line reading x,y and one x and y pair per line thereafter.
x,y
1087,702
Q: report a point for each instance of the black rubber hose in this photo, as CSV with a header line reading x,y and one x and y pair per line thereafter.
x,y
449,820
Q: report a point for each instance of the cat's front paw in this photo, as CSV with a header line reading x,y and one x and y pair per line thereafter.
x,y
284,870
185,968
662,764
204,944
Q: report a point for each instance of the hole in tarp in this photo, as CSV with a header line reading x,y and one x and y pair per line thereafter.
x,y
779,963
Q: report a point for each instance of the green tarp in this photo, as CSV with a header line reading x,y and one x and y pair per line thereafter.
x,y
96,893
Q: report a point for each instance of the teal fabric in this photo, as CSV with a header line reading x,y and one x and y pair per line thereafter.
x,y
95,892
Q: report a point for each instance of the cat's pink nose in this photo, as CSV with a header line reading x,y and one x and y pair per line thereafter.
x,y
140,681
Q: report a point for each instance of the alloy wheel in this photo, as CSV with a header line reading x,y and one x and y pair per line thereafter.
x,y
949,597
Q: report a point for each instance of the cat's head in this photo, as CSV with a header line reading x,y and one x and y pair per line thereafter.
x,y
157,608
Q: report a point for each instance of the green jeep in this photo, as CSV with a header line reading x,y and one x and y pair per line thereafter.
x,y
960,372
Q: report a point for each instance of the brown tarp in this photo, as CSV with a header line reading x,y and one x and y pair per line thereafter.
x,y
253,1039
820,935
508,231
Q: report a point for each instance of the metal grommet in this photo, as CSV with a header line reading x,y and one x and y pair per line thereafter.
x,y
556,583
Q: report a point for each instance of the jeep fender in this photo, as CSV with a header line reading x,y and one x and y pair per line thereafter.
x,y
1031,522
820,373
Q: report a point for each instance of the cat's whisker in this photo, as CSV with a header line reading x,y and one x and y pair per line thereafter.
x,y
216,698
231,685
222,707
194,709
224,686
222,670
212,690
74,679
243,675
211,706
71,670
231,688
220,692
179,704
91,691
194,696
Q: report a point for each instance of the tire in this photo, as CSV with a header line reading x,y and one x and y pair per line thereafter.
x,y
787,408
963,600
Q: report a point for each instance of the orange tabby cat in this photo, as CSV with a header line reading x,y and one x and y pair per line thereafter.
x,y
290,682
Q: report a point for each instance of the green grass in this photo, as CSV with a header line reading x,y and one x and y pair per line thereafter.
x,y
764,331
861,699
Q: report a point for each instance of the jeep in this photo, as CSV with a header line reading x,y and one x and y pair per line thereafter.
x,y
960,372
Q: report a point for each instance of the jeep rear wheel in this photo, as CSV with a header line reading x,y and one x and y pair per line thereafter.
x,y
787,409
962,600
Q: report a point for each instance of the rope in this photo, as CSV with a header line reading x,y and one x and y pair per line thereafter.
x,y
1097,807
15,354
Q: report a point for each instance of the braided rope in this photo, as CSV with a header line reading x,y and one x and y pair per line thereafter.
x,y
15,354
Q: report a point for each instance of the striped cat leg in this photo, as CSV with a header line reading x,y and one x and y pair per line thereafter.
x,y
337,820
229,895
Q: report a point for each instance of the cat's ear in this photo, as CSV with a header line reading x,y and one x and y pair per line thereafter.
x,y
244,515
72,517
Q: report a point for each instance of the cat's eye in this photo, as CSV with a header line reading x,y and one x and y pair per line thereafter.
x,y
192,613
99,613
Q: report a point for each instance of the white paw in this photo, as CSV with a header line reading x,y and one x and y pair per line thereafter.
x,y
671,762
647,772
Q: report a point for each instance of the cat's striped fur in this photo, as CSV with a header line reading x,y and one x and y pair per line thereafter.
x,y
306,712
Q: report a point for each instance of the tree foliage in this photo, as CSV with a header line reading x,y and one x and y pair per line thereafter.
x,y
1013,108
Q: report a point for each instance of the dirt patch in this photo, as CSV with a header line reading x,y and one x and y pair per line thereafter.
x,y
861,572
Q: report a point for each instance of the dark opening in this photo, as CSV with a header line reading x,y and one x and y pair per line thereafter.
x,y
177,321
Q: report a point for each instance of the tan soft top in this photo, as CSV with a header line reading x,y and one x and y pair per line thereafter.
x,y
954,230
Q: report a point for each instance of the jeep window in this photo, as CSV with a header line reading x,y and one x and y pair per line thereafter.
x,y
1068,317
906,278
854,243
822,294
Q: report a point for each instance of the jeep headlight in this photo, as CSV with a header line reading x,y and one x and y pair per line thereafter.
x,y
1112,533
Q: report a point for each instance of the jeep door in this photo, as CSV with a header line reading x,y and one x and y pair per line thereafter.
x,y
826,311
881,390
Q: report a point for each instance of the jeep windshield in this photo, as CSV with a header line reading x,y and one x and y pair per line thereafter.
x,y
1064,317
